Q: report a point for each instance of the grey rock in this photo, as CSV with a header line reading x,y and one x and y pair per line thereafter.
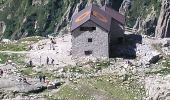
x,y
138,25
36,2
2,27
125,6
154,58
165,42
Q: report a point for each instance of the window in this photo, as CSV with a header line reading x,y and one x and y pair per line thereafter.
x,y
87,28
89,39
88,52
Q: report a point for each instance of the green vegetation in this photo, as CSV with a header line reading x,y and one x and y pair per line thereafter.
x,y
31,39
13,47
99,87
31,73
21,16
141,8
16,58
93,67
20,45
165,68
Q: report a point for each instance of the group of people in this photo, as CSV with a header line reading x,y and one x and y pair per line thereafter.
x,y
48,61
23,79
42,78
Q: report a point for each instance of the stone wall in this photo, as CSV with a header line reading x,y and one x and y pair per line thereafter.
x,y
99,44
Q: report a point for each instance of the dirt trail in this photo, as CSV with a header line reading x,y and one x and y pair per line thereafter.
x,y
44,49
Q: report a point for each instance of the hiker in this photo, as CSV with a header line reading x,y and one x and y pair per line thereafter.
x,y
52,61
30,63
44,78
40,77
53,47
47,60
53,41
30,47
20,79
1,72
25,80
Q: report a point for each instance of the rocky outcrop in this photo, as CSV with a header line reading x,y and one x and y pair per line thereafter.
x,y
36,2
146,25
2,27
125,6
138,25
163,26
149,24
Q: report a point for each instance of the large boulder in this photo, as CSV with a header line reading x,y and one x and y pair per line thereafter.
x,y
151,57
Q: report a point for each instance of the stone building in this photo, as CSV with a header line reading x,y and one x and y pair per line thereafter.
x,y
94,30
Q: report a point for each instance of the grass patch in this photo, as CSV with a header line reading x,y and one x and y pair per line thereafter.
x,y
20,45
100,87
165,70
45,16
16,58
13,47
32,39
93,67
31,73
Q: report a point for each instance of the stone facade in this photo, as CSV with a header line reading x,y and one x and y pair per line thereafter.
x,y
99,45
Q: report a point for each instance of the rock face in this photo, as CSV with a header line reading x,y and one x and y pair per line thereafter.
x,y
36,2
163,27
125,6
149,24
138,25
2,27
146,25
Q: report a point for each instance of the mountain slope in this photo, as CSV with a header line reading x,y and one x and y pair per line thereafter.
x,y
21,18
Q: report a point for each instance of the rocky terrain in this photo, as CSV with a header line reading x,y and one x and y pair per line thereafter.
x,y
147,73
139,69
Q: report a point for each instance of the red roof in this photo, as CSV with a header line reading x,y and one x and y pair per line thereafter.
x,y
99,16
114,14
